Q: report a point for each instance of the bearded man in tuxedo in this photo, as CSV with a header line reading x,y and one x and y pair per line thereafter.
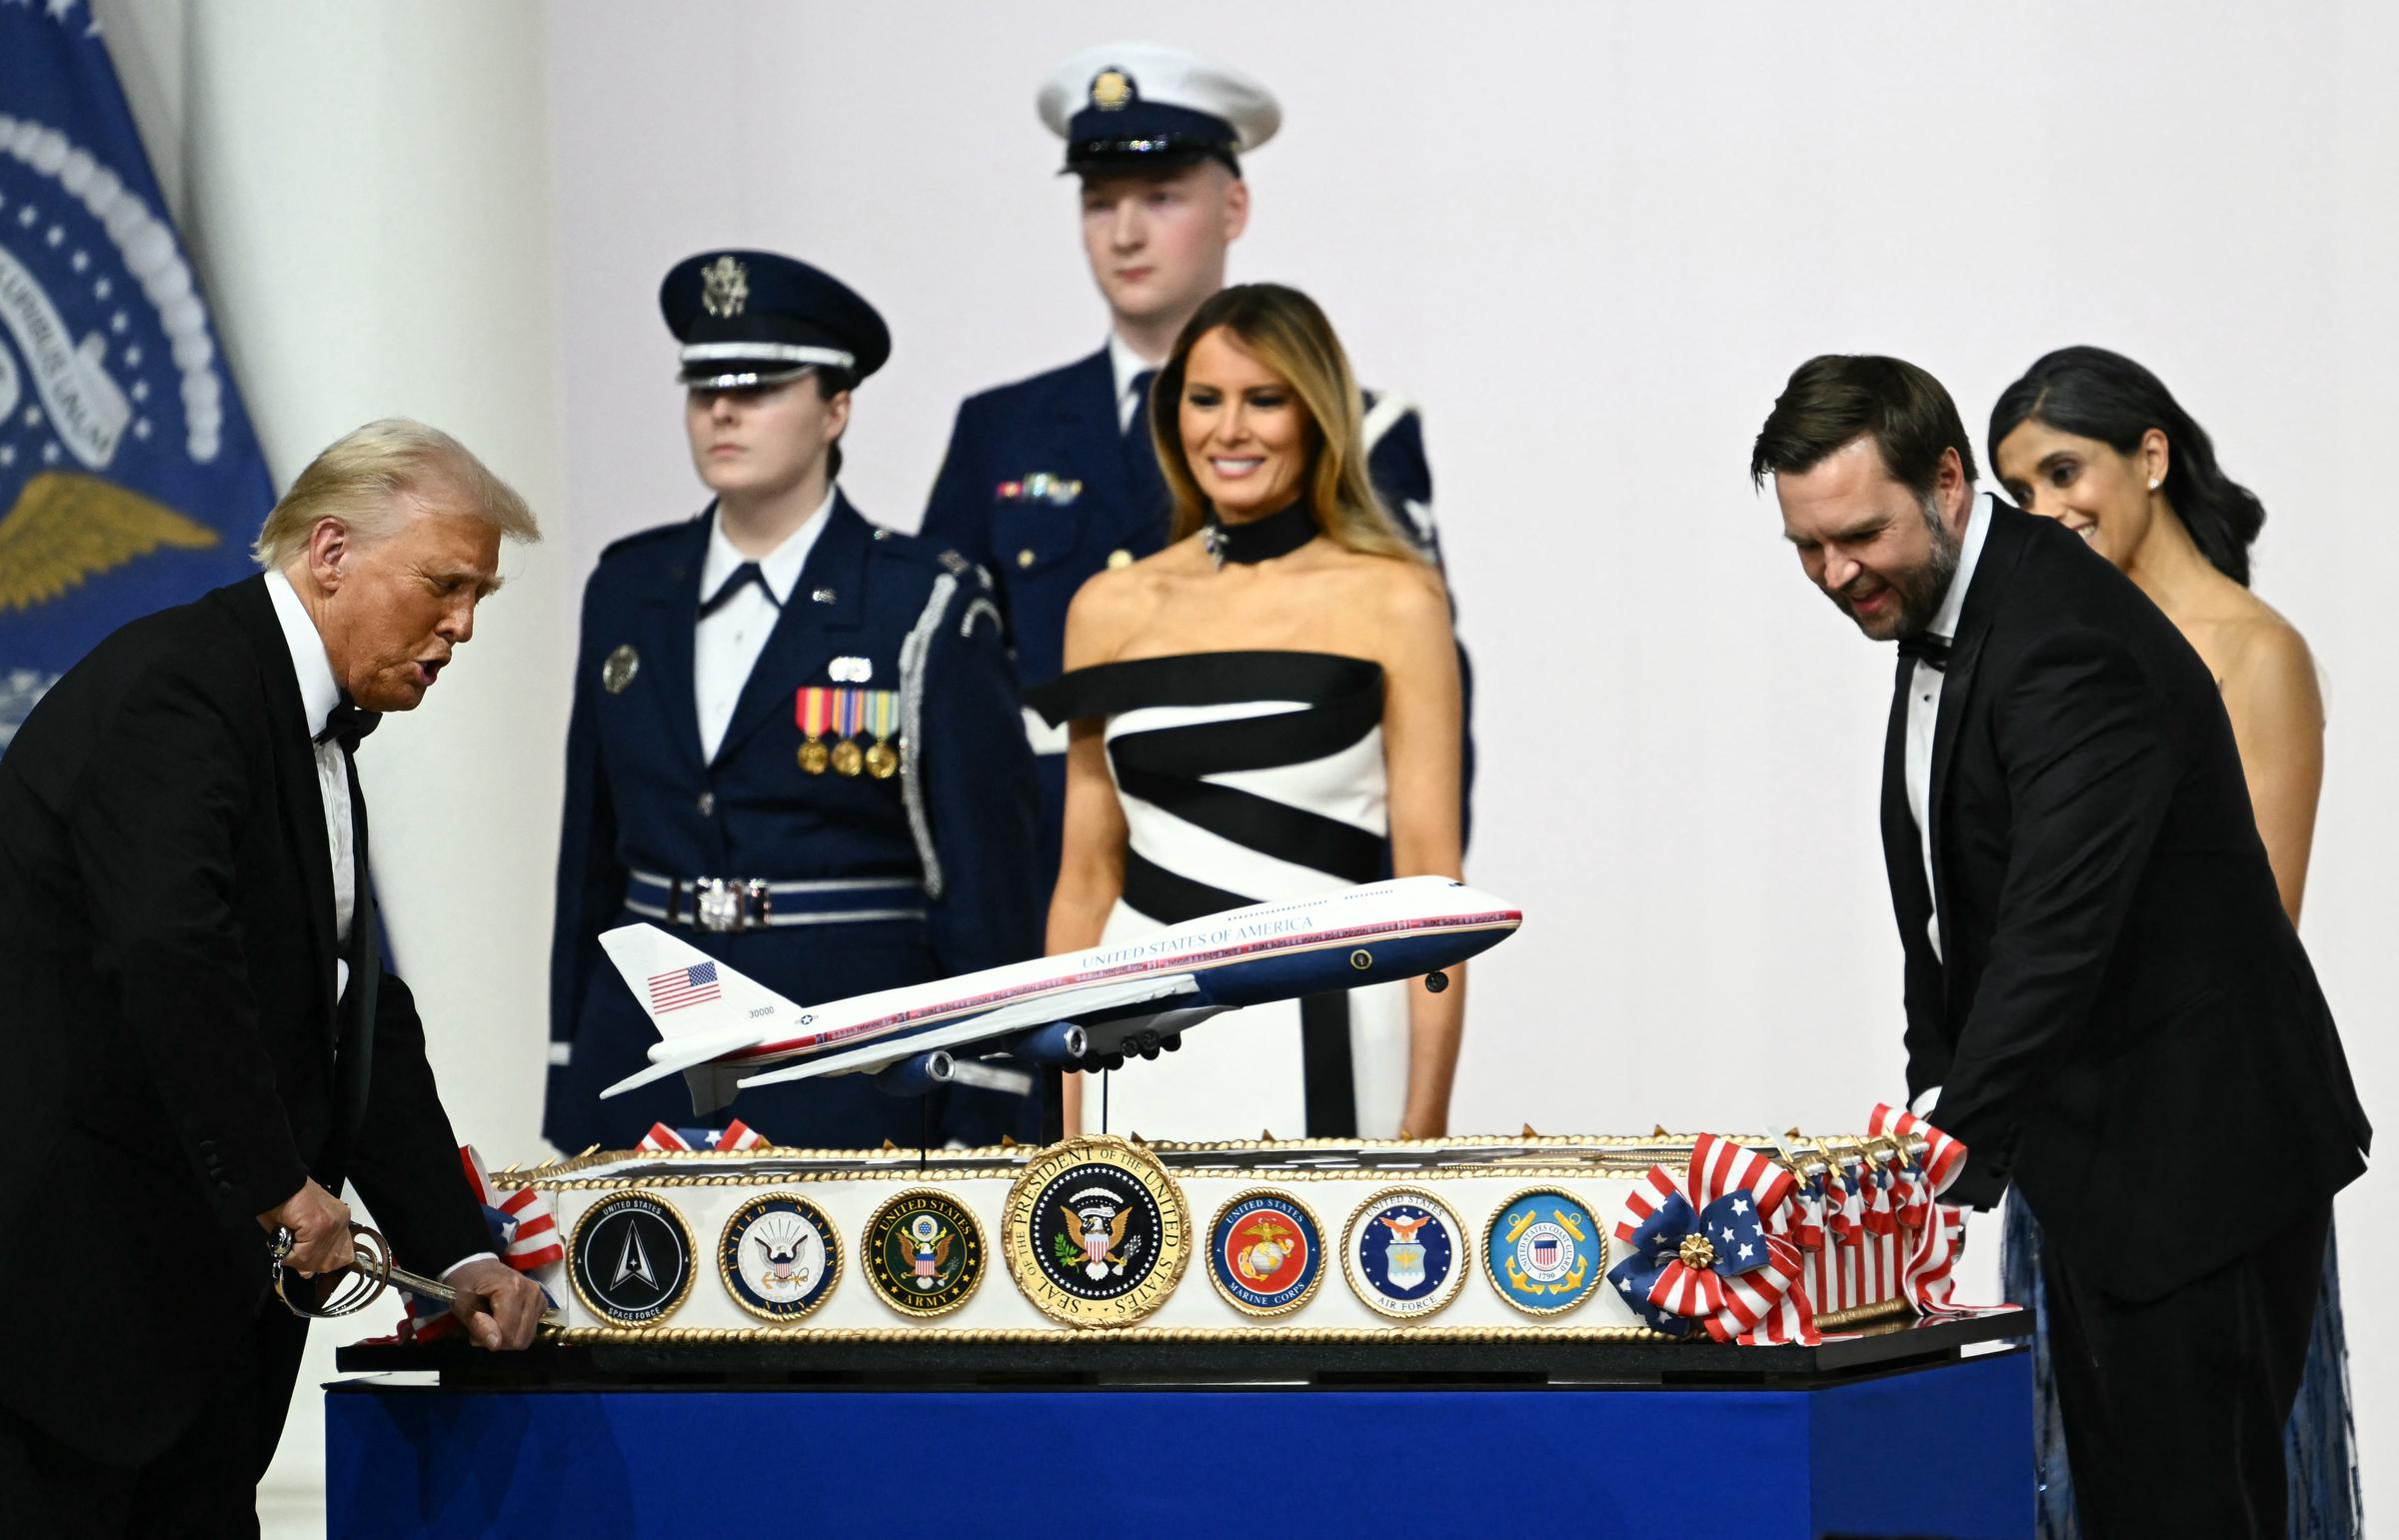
x,y
2105,999
202,1041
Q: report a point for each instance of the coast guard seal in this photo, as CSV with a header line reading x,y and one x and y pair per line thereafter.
x,y
1096,1232
630,1259
1545,1252
1406,1253
1265,1252
923,1252
779,1256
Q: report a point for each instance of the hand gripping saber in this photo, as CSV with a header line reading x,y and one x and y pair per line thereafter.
x,y
371,1271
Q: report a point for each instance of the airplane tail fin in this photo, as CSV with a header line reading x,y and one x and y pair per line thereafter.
x,y
685,992
701,1009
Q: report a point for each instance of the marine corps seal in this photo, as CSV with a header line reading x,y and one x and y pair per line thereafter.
x,y
630,1259
923,1252
1096,1232
1265,1252
779,1256
1545,1252
1406,1253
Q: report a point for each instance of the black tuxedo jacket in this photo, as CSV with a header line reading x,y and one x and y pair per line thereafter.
x,y
2122,1020
167,1017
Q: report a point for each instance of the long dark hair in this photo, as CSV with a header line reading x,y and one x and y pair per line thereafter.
x,y
2100,394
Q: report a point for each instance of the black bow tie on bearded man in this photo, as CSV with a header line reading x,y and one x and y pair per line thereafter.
x,y
1927,647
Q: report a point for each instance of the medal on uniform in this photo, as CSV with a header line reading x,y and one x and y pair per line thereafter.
x,y
814,712
882,762
847,757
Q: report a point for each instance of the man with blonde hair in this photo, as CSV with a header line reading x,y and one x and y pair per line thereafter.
x,y
202,1040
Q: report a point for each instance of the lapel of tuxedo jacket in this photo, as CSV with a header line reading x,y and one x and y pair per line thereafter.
x,y
298,796
669,615
808,631
2001,548
1902,853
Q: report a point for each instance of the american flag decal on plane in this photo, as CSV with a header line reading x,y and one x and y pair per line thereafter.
x,y
678,987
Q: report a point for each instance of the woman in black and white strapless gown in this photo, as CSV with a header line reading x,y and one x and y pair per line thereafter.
x,y
1244,778
1268,709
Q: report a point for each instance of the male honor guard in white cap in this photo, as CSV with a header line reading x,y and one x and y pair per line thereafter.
x,y
795,738
1053,479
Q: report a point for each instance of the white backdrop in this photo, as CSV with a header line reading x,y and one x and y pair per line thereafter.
x,y
1589,240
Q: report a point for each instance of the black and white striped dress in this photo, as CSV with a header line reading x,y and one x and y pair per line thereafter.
x,y
1248,777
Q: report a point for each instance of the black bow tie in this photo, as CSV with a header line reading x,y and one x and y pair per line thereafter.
x,y
1927,648
742,576
345,723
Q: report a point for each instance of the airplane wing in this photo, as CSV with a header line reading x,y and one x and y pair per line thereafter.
x,y
1071,1006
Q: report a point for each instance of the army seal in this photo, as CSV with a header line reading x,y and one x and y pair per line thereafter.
x,y
1406,1253
1545,1252
923,1252
779,1256
1096,1232
630,1259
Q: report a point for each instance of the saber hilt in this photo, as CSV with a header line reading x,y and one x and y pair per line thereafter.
x,y
371,1271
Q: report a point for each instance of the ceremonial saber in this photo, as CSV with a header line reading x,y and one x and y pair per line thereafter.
x,y
371,1271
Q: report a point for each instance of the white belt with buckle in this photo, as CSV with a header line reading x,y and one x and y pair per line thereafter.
x,y
722,905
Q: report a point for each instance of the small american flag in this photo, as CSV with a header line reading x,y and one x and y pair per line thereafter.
x,y
681,987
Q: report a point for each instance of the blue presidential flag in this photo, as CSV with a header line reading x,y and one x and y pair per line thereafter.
x,y
129,477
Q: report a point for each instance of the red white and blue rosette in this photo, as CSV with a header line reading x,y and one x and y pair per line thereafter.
x,y
1701,1252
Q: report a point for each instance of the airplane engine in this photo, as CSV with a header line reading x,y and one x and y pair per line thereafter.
x,y
1059,1045
916,1076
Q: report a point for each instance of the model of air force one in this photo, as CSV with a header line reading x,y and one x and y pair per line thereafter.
x,y
1086,1010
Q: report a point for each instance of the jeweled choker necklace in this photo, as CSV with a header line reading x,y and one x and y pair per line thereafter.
x,y
1259,540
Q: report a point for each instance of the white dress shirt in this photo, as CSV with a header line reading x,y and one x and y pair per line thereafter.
x,y
727,643
1129,366
1924,700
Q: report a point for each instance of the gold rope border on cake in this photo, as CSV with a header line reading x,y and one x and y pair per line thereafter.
x,y
550,1172
1021,1336
1386,1175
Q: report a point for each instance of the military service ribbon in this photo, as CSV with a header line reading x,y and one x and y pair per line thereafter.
x,y
815,710
850,706
882,762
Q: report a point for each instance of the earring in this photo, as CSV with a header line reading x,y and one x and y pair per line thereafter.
x,y
2156,482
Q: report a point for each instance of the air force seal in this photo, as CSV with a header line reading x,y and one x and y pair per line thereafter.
x,y
1545,1252
779,1256
1096,1232
630,1259
1265,1253
1406,1253
923,1252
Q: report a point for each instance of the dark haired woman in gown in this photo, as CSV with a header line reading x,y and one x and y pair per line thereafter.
x,y
2094,439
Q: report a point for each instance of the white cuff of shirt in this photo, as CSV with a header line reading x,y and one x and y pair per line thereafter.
x,y
479,1256
1925,1101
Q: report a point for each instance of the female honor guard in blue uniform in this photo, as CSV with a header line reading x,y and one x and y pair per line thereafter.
x,y
796,738
1053,479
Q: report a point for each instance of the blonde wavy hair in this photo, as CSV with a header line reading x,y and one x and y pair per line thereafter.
x,y
1289,335
366,479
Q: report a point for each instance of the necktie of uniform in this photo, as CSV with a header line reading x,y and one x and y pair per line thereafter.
x,y
1140,460
742,576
